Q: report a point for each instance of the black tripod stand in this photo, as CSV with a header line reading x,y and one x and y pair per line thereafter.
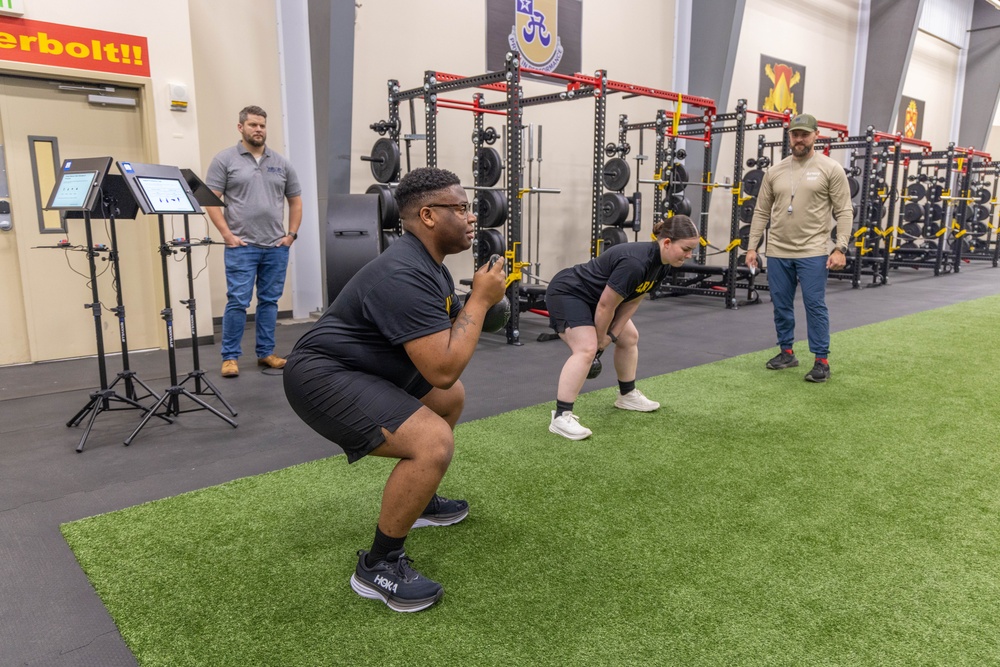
x,y
202,385
101,400
170,401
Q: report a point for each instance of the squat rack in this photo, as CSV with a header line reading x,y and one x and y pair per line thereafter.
x,y
508,81
697,277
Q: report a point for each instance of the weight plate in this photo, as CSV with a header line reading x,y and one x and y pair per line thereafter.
x,y
388,238
385,160
978,228
934,193
935,212
916,192
678,179
492,208
982,212
612,236
930,230
388,212
680,205
751,182
489,242
875,211
747,209
983,195
489,166
744,236
614,208
912,229
913,212
855,187
616,174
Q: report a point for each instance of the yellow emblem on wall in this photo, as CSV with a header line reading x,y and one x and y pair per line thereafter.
x,y
910,124
781,98
535,34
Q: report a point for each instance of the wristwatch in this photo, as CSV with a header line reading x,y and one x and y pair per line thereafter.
x,y
294,235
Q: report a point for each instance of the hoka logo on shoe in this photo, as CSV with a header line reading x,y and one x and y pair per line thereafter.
x,y
385,583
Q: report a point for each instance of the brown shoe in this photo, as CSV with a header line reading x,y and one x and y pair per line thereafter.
x,y
271,361
230,368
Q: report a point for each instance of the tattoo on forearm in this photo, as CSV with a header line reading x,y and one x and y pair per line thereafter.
x,y
462,321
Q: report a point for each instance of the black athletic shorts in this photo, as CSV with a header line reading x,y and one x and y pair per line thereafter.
x,y
566,312
347,407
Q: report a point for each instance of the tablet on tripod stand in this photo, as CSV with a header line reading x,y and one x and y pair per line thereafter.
x,y
161,190
78,192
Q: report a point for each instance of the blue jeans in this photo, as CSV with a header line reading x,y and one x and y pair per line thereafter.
x,y
783,277
246,265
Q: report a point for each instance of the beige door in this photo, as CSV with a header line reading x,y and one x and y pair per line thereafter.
x,y
45,291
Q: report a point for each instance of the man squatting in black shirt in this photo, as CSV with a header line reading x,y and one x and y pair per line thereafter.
x,y
379,374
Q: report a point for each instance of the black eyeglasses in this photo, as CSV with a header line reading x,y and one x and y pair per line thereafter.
x,y
461,209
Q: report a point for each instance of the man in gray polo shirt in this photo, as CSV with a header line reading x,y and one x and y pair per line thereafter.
x,y
254,181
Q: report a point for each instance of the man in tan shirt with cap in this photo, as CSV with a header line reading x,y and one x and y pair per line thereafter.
x,y
800,196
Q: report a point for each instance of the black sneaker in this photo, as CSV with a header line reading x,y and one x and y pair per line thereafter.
x,y
394,582
820,372
782,360
442,512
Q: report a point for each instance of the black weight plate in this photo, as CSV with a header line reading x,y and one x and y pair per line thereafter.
x,y
680,205
612,236
385,160
678,179
614,209
616,174
934,193
388,212
978,228
983,195
489,166
930,246
935,212
747,209
916,192
910,251
855,187
744,236
875,211
912,229
751,182
855,209
930,230
913,212
492,208
388,238
489,242
982,212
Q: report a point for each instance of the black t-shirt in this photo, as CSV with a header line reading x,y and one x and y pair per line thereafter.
x,y
630,269
401,295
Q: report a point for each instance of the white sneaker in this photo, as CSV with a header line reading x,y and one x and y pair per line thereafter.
x,y
568,426
634,400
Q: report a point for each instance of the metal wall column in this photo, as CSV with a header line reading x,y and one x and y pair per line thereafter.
x,y
982,77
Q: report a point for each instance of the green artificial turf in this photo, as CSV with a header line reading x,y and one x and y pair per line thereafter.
x,y
755,519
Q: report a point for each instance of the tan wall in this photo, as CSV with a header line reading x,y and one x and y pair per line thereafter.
x,y
632,40
235,43
931,77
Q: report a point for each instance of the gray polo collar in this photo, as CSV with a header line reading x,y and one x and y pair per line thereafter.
x,y
243,149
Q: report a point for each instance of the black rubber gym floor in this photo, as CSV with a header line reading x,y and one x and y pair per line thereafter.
x,y
50,615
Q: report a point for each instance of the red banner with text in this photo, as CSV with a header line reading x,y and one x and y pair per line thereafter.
x,y
72,46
